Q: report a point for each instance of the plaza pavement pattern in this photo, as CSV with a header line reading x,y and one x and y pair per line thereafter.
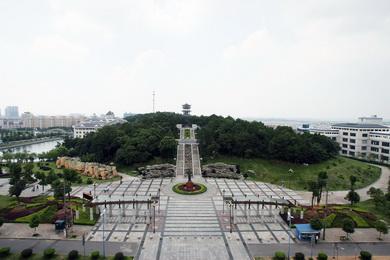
x,y
191,227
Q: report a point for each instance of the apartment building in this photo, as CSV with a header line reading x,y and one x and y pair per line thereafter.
x,y
93,123
368,139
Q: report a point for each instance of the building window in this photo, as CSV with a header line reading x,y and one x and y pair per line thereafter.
x,y
352,134
345,133
385,151
345,139
345,146
352,153
352,147
384,158
386,144
375,142
352,141
344,151
365,135
364,148
374,149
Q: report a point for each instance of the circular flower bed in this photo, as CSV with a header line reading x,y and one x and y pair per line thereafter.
x,y
198,188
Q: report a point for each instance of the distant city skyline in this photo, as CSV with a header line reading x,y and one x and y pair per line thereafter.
x,y
261,59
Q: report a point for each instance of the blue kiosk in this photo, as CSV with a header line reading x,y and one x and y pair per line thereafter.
x,y
306,232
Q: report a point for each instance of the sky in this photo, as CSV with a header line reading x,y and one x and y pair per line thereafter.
x,y
325,59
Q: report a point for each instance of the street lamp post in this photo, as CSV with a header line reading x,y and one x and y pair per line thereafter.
x,y
289,217
290,171
154,217
103,214
223,202
94,190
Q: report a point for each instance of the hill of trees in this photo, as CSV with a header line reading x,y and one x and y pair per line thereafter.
x,y
147,136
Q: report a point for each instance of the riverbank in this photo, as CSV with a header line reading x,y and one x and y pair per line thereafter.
x,y
16,144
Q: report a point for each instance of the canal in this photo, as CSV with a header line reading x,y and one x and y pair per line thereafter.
x,y
35,148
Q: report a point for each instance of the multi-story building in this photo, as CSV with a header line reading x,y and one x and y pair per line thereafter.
x,y
92,124
31,121
368,139
11,112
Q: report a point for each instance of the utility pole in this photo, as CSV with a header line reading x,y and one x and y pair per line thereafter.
x,y
325,212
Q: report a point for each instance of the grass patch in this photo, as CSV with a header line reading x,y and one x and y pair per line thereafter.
x,y
176,189
369,206
7,202
339,170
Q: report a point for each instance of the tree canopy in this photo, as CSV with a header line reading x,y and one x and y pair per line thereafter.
x,y
147,136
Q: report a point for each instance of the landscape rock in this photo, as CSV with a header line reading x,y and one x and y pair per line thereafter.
x,y
221,170
157,171
91,169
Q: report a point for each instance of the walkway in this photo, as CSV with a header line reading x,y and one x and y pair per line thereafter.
x,y
187,153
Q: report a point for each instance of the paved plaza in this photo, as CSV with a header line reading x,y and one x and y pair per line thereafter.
x,y
190,227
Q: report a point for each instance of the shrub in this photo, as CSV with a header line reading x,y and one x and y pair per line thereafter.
x,y
26,253
279,256
299,256
365,255
4,251
95,255
316,224
74,254
49,253
89,181
119,256
322,256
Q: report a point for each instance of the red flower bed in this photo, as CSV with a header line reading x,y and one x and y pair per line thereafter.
x,y
19,212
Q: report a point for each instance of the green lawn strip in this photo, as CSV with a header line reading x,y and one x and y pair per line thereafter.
x,y
339,170
7,202
187,133
359,221
369,206
84,216
45,215
328,221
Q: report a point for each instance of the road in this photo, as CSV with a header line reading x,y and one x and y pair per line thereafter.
x,y
64,246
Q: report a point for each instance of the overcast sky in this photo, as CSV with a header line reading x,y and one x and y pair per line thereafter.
x,y
280,59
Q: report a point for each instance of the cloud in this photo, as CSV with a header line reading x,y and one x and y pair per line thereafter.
x,y
255,45
58,48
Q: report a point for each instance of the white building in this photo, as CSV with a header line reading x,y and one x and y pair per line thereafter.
x,y
92,124
369,139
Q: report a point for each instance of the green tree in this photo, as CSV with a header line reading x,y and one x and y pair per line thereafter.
x,y
59,187
322,181
353,197
17,188
51,177
42,179
1,222
381,227
353,180
315,191
168,147
348,226
34,222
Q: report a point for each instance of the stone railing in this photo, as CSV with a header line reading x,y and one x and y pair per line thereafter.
x,y
91,169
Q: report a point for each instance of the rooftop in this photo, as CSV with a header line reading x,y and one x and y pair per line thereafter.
x,y
357,125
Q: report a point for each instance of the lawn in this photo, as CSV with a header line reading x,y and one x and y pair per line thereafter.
x,y
7,202
339,170
45,207
369,206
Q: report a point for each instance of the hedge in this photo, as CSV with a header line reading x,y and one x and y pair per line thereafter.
x,y
176,189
